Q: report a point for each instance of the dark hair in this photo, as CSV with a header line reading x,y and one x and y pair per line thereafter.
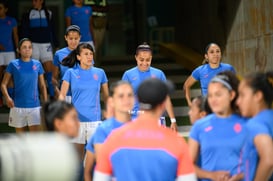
x,y
152,92
202,103
143,47
4,2
262,82
229,80
22,41
71,59
115,85
205,61
54,110
73,28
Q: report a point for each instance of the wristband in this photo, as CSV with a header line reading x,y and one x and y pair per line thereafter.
x,y
173,120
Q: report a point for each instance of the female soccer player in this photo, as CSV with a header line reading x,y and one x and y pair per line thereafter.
x,y
72,37
122,101
143,71
211,67
216,141
255,101
27,75
61,117
85,83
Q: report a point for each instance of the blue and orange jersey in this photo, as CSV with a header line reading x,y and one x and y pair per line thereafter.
x,y
142,150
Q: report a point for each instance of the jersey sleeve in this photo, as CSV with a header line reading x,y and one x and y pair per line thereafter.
x,y
14,22
89,146
41,69
104,78
9,68
196,74
194,132
163,76
125,77
67,76
56,60
257,129
68,13
98,138
185,169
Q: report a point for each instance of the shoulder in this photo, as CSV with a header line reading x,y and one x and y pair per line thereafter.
x,y
134,69
226,66
200,68
98,70
153,69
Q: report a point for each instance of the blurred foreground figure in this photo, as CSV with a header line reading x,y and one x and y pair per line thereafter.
x,y
37,156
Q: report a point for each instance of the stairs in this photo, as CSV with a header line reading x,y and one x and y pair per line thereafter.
x,y
115,68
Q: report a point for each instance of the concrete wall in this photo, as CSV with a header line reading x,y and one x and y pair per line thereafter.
x,y
249,44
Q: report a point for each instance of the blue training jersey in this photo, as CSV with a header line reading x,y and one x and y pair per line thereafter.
x,y
221,143
205,73
135,77
85,88
25,77
102,132
6,36
81,16
262,123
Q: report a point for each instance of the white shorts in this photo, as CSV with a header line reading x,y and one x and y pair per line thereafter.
x,y
86,130
22,117
68,99
6,57
42,52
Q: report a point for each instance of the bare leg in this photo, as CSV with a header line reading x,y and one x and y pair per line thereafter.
x,y
34,128
20,130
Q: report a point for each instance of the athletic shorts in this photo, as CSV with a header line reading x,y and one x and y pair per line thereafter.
x,y
6,57
42,52
86,130
68,99
22,117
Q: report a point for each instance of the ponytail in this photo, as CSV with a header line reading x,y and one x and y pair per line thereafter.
x,y
71,59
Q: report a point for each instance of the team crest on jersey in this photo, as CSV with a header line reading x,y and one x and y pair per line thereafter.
x,y
95,76
237,128
134,78
86,11
34,67
9,22
206,75
209,128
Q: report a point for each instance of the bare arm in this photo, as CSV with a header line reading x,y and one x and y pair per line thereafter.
x,y
91,28
169,108
194,152
67,21
64,89
187,88
42,87
4,88
89,163
15,36
264,146
55,79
